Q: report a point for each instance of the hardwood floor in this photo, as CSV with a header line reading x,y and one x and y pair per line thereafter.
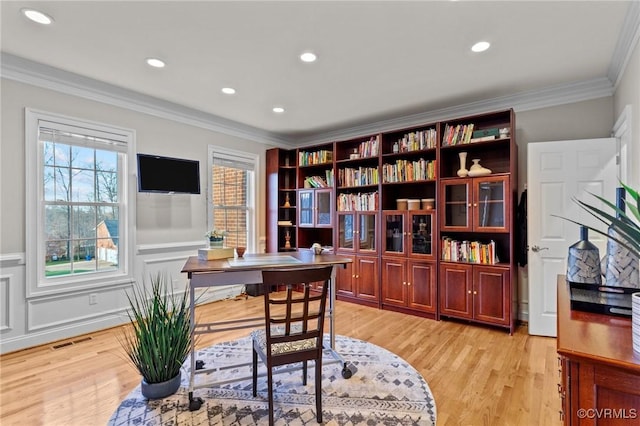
x,y
478,375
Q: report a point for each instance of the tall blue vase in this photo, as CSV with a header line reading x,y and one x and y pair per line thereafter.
x,y
583,262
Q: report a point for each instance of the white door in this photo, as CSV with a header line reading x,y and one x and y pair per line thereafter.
x,y
558,172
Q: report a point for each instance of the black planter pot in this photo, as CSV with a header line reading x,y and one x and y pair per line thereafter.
x,y
162,389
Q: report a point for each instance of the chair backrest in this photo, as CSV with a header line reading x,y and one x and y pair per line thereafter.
x,y
298,315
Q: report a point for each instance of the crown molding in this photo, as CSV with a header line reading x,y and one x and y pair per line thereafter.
x,y
629,36
523,101
34,73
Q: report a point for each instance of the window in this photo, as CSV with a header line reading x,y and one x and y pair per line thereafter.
x,y
79,206
233,183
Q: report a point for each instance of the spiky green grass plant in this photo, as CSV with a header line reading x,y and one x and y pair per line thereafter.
x,y
159,339
626,225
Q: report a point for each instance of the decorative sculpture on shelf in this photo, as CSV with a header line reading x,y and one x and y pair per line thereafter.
x,y
462,171
477,170
287,240
286,201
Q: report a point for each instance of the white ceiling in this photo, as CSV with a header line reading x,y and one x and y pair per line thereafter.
x,y
377,60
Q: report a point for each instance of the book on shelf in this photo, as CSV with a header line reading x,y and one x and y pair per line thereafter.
x,y
319,181
409,171
357,202
361,176
369,148
457,135
317,157
469,251
285,223
482,139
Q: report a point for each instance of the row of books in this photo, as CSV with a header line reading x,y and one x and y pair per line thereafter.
x,y
415,141
369,148
319,181
316,157
469,251
456,135
408,171
358,177
357,202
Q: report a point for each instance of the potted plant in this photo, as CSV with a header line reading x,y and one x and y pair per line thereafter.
x,y
625,224
159,339
215,237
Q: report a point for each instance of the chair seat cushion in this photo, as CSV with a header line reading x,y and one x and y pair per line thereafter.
x,y
260,336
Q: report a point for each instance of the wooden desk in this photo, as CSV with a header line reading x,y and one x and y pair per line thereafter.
x,y
248,270
600,372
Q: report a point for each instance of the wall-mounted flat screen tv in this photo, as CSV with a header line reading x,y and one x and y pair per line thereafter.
x,y
168,175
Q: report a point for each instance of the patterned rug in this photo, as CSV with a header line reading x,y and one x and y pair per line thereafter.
x,y
384,390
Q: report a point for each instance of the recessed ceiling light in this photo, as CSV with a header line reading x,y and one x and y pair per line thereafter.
x,y
480,46
155,62
308,57
279,110
228,90
37,16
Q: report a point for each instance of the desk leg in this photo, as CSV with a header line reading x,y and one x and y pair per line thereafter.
x,y
332,307
194,403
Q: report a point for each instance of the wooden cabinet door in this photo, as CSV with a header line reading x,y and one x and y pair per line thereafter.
x,y
455,290
456,208
323,212
394,233
421,285
345,279
491,296
491,201
306,208
367,278
394,281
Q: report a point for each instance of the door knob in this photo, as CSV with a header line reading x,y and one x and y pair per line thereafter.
x,y
537,249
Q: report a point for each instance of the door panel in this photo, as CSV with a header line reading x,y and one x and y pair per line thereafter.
x,y
558,172
421,286
367,278
394,283
491,294
455,296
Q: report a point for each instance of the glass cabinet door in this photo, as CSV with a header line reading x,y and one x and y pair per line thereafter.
x,y
305,208
457,205
394,232
421,242
367,235
490,203
324,208
347,231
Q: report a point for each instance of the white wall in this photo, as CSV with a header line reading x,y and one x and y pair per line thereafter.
x,y
169,227
628,93
580,120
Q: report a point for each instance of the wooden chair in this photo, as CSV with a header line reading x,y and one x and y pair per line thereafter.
x,y
293,327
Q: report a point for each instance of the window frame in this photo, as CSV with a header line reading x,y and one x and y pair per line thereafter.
x,y
252,192
37,283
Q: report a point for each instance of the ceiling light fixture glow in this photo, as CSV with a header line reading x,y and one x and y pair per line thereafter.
x,y
308,57
278,110
37,16
480,46
228,90
155,62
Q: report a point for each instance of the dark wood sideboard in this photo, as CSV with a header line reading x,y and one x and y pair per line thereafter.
x,y
600,373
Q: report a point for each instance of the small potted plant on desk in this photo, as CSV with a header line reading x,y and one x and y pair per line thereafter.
x,y
215,237
159,339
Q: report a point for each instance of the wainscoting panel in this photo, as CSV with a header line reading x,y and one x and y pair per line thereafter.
x,y
41,320
5,302
64,310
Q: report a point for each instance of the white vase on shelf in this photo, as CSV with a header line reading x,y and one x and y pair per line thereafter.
x,y
477,170
462,171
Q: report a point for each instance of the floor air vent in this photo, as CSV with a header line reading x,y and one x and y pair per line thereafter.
x,y
71,342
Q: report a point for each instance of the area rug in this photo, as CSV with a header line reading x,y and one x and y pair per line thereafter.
x,y
384,390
